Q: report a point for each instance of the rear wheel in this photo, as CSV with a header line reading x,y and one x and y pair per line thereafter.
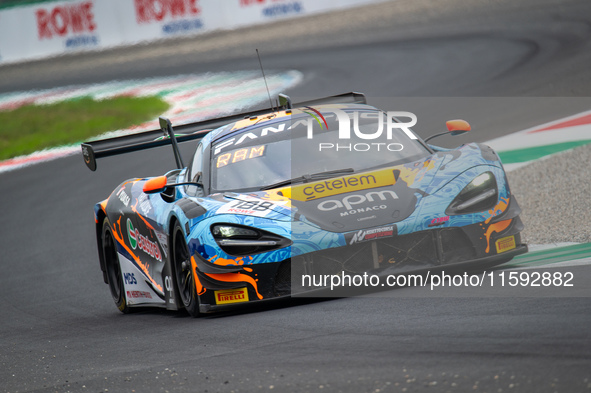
x,y
184,280
113,266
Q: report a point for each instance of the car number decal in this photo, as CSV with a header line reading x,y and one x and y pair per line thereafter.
x,y
249,206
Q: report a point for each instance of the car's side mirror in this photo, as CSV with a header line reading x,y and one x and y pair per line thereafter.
x,y
457,127
160,184
454,127
155,184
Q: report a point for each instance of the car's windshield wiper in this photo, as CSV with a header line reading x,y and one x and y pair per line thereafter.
x,y
307,178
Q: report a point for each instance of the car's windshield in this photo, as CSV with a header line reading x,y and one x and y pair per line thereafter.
x,y
300,145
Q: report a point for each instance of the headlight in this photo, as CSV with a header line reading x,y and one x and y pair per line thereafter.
x,y
480,195
230,231
241,240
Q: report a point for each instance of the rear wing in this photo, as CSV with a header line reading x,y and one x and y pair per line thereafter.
x,y
91,151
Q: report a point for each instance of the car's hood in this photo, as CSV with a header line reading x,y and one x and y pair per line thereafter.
x,y
346,203
360,200
366,199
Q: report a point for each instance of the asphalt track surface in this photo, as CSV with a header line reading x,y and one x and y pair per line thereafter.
x,y
60,331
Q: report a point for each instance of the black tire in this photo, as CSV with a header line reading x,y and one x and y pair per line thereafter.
x,y
182,272
114,276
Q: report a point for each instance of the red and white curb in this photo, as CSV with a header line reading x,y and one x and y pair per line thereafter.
x,y
544,140
191,97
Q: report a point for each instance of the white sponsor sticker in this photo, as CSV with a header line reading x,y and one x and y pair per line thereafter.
x,y
250,206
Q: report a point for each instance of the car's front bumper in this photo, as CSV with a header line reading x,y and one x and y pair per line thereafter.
x,y
453,249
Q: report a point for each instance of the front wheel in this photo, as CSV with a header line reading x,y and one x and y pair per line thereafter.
x,y
113,266
184,280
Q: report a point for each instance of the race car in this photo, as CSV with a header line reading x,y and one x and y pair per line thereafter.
x,y
329,186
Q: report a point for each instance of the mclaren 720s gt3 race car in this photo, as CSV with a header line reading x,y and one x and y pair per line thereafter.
x,y
329,186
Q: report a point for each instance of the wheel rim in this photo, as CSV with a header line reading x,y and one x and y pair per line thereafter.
x,y
113,269
182,263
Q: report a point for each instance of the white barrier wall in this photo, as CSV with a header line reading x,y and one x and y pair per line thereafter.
x,y
58,27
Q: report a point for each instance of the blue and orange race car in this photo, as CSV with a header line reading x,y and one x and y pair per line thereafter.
x,y
329,186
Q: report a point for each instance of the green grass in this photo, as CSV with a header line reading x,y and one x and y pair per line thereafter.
x,y
35,127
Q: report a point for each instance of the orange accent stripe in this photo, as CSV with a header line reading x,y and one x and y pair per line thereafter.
x,y
496,227
134,209
226,262
198,285
119,237
502,206
236,277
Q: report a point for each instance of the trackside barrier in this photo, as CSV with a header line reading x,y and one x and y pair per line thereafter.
x,y
51,28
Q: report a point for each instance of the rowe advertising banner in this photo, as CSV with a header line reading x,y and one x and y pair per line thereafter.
x,y
50,28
